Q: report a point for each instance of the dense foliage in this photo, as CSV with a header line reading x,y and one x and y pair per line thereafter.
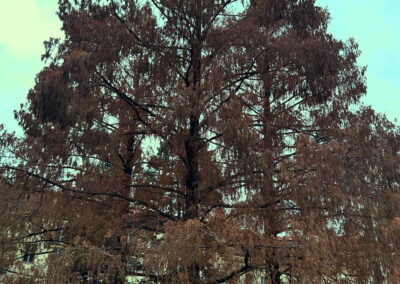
x,y
203,141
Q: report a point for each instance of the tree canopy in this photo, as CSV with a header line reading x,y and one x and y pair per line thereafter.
x,y
204,141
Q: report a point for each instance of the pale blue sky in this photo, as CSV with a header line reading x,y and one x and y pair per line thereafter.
x,y
25,24
375,25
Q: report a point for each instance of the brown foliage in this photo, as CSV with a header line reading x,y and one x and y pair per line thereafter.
x,y
199,142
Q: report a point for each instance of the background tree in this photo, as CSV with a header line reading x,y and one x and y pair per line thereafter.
x,y
266,163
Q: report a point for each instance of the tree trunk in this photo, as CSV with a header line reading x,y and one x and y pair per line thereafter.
x,y
192,176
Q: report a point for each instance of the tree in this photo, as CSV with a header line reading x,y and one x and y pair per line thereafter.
x,y
267,163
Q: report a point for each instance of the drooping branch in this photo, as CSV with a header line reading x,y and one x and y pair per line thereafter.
x,y
91,193
244,269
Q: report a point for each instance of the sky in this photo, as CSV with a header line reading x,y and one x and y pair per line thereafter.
x,y
372,23
22,32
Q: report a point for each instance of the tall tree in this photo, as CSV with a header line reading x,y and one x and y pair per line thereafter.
x,y
204,141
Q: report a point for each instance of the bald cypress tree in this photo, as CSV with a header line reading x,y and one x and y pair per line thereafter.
x,y
204,141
